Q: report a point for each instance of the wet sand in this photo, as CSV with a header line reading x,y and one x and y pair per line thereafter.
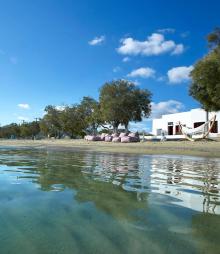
x,y
199,148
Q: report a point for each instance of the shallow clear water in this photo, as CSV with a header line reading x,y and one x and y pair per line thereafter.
x,y
79,202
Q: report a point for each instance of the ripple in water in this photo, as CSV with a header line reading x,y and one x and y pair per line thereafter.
x,y
70,202
193,182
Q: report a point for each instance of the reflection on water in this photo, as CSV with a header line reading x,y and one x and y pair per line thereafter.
x,y
194,184
76,202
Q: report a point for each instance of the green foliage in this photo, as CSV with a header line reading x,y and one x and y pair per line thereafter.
x,y
121,102
75,120
29,130
51,124
10,131
24,130
205,86
72,121
90,109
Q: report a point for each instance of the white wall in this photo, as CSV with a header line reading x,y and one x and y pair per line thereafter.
x,y
156,125
187,118
162,123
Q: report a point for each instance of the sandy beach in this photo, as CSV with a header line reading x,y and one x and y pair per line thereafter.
x,y
199,148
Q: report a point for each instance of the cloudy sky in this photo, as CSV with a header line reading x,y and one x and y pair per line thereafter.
x,y
55,52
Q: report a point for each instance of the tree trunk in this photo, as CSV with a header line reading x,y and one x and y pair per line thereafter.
x,y
207,119
126,128
207,116
115,127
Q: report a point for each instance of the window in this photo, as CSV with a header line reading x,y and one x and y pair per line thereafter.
x,y
170,123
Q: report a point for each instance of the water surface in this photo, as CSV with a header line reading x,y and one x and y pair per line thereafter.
x,y
78,202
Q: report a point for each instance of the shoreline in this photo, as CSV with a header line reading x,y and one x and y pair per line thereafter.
x,y
210,149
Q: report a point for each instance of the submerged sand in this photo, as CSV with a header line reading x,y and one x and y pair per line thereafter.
x,y
199,148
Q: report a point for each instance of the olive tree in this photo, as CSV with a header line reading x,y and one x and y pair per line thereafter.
x,y
90,109
121,102
205,86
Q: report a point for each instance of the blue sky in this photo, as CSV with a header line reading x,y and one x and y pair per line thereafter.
x,y
55,52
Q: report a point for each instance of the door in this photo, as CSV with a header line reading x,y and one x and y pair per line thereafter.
x,y
170,130
178,131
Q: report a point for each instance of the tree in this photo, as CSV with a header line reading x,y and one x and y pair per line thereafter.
x,y
90,108
73,122
44,127
121,102
29,130
51,122
34,128
205,86
9,131
25,130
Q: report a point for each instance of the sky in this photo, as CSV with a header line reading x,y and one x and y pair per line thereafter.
x,y
57,51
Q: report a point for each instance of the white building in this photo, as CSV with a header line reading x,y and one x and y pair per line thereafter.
x,y
169,124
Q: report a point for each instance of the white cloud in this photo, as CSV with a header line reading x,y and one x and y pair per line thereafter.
x,y
144,125
158,109
97,40
126,59
178,49
165,107
166,30
144,72
153,45
179,74
24,106
60,107
134,82
23,118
